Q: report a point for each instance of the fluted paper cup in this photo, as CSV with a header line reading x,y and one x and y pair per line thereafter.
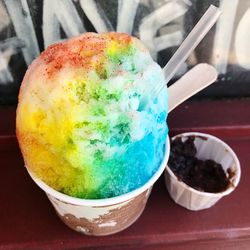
x,y
102,216
208,147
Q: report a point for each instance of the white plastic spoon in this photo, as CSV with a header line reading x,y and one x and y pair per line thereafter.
x,y
196,79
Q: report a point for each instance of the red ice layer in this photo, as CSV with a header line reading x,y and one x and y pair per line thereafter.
x,y
77,52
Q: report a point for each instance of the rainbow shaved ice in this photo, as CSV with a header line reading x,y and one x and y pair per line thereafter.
x,y
81,124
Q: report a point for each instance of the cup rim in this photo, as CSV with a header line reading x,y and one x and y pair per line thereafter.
x,y
105,201
228,148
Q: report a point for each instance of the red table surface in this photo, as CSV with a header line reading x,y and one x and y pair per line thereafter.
x,y
28,221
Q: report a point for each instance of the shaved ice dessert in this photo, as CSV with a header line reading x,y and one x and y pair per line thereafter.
x,y
82,123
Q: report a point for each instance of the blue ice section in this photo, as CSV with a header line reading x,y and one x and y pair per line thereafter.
x,y
139,163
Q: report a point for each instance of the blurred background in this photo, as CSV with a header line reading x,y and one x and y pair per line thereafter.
x,y
27,27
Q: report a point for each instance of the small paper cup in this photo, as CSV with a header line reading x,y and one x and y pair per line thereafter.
x,y
102,216
208,147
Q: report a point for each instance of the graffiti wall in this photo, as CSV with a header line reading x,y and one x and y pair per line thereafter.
x,y
27,27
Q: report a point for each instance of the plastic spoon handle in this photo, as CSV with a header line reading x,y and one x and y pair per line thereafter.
x,y
196,79
191,41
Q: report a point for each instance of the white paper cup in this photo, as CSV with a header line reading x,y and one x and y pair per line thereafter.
x,y
208,147
102,216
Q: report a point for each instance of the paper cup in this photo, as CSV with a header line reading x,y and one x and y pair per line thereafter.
x,y
208,147
102,216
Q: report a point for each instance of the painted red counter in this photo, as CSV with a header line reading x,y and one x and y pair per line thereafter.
x,y
28,221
